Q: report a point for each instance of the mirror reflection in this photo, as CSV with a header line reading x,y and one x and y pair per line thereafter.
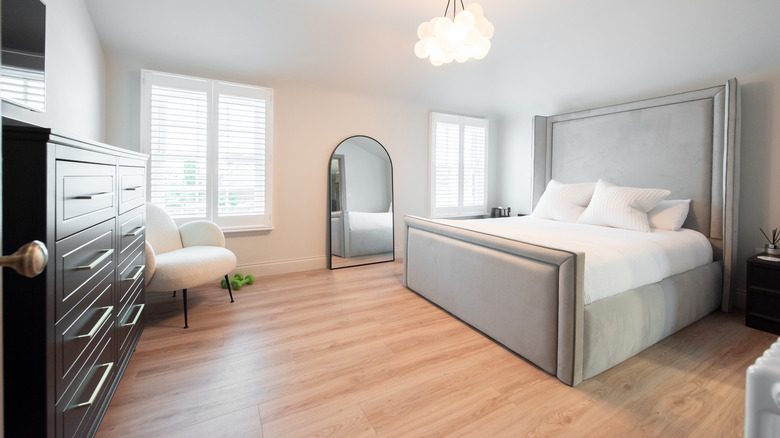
x,y
360,199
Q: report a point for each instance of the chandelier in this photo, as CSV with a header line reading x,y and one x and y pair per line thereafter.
x,y
466,35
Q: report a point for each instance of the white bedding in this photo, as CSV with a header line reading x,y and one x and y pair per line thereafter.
x,y
360,220
368,233
616,260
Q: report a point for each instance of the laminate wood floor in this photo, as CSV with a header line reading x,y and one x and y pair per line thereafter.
x,y
352,353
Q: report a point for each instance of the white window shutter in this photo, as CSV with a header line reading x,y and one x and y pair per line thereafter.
x,y
458,155
24,85
241,156
179,132
447,171
210,144
474,168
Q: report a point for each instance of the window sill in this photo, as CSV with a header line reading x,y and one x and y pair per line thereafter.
x,y
247,229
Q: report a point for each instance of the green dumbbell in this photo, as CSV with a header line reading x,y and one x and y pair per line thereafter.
x,y
237,281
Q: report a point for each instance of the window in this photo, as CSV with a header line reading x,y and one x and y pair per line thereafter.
x,y
458,159
23,85
210,148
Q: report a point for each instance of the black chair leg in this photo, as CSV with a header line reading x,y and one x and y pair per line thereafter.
x,y
227,280
184,294
174,294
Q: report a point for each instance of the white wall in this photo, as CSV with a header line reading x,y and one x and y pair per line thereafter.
x,y
75,74
367,177
760,165
308,124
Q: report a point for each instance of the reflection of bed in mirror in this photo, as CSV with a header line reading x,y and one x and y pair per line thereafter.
x,y
360,194
361,233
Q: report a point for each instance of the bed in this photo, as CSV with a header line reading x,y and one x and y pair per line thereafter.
x,y
358,233
530,294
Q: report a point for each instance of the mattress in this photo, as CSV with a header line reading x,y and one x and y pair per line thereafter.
x,y
616,260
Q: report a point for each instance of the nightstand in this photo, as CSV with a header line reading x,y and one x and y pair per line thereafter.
x,y
762,307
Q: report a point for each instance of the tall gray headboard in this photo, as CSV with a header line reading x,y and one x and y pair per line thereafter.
x,y
687,143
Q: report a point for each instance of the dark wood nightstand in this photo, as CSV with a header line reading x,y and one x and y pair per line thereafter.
x,y
762,307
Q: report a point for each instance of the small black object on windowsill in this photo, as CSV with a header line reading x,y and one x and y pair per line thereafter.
x,y
500,211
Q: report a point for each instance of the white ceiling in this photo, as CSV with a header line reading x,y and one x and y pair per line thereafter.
x,y
544,52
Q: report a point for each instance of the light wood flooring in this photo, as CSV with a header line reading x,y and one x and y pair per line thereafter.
x,y
352,353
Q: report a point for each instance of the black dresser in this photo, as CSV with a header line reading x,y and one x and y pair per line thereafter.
x,y
762,304
68,333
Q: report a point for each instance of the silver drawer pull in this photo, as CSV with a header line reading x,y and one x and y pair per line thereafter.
x,y
95,393
100,322
136,231
132,189
96,195
106,254
138,271
137,315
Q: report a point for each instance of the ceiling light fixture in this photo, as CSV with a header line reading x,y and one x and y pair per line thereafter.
x,y
465,35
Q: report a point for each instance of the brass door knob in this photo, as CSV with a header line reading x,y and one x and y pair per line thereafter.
x,y
29,260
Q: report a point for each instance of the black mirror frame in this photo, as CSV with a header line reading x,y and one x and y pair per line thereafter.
x,y
329,251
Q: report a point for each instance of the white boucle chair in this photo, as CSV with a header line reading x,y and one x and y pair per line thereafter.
x,y
184,257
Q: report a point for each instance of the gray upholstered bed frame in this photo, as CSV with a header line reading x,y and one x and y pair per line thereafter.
x,y
530,298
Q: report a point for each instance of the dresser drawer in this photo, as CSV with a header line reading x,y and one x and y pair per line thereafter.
x,y
90,390
132,233
83,260
132,187
131,276
131,320
79,331
762,276
85,195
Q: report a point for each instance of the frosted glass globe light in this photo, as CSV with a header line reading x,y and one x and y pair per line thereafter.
x,y
464,36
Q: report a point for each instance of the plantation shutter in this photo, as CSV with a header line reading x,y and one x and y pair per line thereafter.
x,y
26,86
474,166
243,139
179,133
458,165
210,147
447,170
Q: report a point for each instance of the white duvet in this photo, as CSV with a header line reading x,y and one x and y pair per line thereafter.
x,y
616,260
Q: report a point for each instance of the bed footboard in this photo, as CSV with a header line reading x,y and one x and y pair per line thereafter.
x,y
533,303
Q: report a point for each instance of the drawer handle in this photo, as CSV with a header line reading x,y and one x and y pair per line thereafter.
x,y
136,231
100,322
96,195
132,189
137,315
95,393
106,254
138,271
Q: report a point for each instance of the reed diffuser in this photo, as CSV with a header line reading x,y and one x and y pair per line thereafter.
x,y
771,246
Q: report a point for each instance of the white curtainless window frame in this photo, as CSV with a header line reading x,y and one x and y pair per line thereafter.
x,y
458,157
210,147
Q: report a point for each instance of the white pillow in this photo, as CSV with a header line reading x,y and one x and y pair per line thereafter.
x,y
621,207
669,215
563,202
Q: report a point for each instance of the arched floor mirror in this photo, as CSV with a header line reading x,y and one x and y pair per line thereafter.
x,y
360,204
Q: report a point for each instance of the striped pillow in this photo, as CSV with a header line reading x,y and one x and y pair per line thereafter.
x,y
622,207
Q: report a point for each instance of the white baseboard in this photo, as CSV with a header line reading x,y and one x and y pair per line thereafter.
x,y
289,266
281,267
